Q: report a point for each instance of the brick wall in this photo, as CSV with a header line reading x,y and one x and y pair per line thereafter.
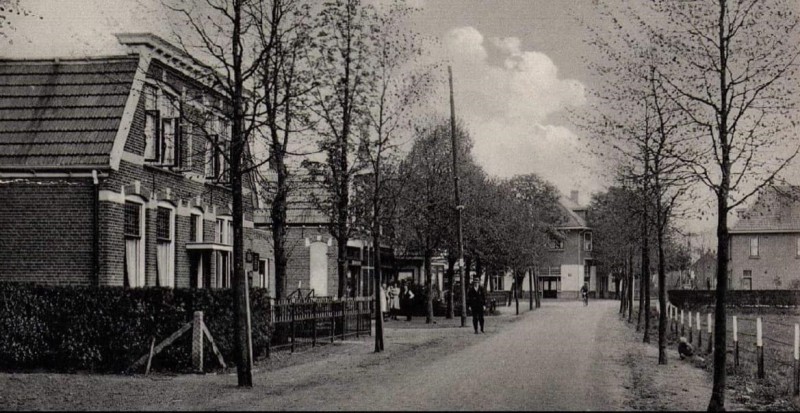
x,y
46,231
298,267
776,267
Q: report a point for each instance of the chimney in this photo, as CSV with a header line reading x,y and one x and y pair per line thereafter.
x,y
573,195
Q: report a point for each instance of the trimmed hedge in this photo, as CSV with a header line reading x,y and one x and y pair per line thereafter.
x,y
735,298
105,329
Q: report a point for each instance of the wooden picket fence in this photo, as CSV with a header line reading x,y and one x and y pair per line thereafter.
x,y
319,320
746,342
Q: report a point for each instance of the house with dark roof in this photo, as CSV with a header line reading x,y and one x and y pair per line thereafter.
x,y
765,242
311,250
113,172
568,263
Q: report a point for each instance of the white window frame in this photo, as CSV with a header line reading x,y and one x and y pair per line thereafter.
x,y
223,234
169,280
754,247
140,278
217,144
197,212
163,114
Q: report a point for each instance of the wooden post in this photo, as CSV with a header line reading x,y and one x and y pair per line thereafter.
x,y
530,288
796,388
150,357
699,333
710,336
293,306
332,307
344,321
691,339
197,342
735,343
759,349
682,330
314,325
358,317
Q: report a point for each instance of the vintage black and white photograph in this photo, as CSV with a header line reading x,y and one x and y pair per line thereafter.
x,y
400,205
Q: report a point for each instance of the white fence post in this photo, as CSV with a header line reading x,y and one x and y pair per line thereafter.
x,y
735,343
759,349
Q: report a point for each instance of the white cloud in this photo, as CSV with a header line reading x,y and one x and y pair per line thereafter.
x,y
508,104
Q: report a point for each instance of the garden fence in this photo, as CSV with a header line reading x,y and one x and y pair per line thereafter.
x,y
319,320
759,346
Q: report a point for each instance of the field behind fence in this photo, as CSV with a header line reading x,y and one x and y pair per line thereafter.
x,y
760,344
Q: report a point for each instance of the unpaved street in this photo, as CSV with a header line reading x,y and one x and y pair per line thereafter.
x,y
561,357
552,359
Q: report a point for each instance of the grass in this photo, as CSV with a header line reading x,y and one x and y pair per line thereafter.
x,y
774,392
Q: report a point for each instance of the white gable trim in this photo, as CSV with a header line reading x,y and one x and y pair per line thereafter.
x,y
130,109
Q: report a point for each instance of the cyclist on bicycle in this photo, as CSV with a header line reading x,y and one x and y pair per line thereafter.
x,y
585,294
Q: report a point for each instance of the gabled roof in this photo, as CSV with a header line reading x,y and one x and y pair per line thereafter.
x,y
301,209
62,113
777,209
571,219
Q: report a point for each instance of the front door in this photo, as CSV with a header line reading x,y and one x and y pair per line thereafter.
x,y
549,287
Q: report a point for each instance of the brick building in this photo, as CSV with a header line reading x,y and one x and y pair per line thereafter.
x,y
765,242
568,263
112,172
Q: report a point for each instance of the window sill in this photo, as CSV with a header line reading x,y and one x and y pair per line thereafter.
x,y
754,257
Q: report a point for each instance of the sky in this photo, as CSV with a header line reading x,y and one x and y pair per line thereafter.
x,y
517,68
518,65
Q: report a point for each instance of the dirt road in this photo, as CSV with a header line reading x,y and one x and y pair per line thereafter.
x,y
563,356
552,359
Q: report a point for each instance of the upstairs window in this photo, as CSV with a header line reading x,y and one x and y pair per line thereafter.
x,y
587,241
217,148
224,231
161,126
556,244
754,247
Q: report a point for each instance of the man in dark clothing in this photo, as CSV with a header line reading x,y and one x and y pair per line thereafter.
x,y
476,300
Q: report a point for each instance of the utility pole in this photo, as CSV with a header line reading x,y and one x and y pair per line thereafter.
x,y
459,207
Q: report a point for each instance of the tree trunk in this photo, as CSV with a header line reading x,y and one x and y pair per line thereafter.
x,y
623,293
451,277
517,288
468,269
530,289
241,308
631,287
428,288
662,300
376,250
479,270
278,216
536,288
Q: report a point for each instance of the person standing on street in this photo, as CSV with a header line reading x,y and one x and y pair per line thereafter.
x,y
476,300
394,301
408,295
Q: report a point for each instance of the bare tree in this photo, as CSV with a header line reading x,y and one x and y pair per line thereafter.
x,y
343,63
283,84
399,87
221,30
732,74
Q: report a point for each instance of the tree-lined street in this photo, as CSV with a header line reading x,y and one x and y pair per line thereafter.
x,y
562,357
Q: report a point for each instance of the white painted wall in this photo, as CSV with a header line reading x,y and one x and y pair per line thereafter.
x,y
571,277
318,265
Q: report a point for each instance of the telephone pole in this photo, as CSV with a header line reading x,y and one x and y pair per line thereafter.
x,y
459,207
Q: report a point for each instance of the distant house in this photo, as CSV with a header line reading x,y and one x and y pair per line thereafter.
x,y
112,172
312,251
765,242
568,263
705,271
